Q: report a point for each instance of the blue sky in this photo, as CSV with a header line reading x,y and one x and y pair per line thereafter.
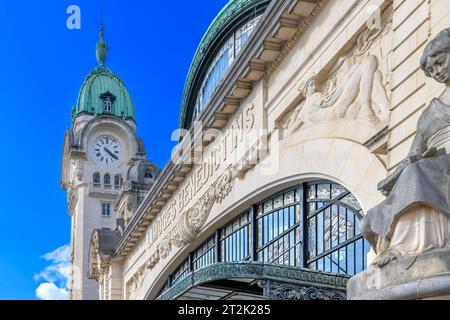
x,y
42,66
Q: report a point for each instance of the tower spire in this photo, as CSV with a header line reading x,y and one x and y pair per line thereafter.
x,y
102,47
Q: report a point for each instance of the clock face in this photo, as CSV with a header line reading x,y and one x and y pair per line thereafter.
x,y
106,150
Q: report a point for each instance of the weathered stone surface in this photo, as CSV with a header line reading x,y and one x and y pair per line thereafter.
x,y
425,276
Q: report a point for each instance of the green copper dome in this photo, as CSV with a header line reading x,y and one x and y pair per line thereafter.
x,y
103,92
234,12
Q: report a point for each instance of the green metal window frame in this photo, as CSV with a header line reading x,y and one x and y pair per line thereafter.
x,y
277,231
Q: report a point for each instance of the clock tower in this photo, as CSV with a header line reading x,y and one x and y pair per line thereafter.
x,y
100,151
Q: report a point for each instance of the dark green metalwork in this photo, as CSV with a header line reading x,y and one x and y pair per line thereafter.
x,y
258,271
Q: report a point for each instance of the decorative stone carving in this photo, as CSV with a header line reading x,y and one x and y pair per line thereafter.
x,y
415,217
191,222
354,88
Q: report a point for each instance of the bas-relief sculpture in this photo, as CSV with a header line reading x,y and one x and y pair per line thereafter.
x,y
354,88
415,217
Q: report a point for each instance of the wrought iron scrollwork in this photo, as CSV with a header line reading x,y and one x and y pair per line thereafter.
x,y
287,291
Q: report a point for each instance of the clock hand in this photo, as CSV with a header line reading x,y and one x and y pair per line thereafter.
x,y
111,154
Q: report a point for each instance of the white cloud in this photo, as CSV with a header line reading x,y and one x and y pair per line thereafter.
x,y
49,291
53,279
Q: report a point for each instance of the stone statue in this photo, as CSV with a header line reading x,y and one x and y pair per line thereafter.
x,y
355,91
311,110
359,92
415,217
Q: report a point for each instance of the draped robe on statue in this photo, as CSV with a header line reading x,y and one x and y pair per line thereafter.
x,y
416,215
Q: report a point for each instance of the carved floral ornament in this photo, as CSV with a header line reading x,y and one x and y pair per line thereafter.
x,y
99,265
356,88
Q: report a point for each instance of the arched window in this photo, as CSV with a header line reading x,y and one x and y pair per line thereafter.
x,y
117,181
107,180
222,62
335,243
315,225
96,179
148,175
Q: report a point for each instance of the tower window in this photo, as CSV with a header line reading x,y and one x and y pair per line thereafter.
x,y
106,209
96,180
117,181
148,175
107,180
107,103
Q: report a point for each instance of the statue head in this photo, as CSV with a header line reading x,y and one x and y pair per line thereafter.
x,y
311,86
435,61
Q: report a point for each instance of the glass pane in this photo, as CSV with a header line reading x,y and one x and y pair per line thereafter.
x,y
351,259
342,225
260,233
359,256
292,257
289,197
320,235
320,265
312,238
335,225
323,191
286,259
298,194
335,262
311,208
352,202
357,226
278,202
266,230
343,261
270,227
350,225
259,211
280,221
275,250
320,205
327,261
292,217
268,206
337,190
286,219
327,229
312,192
276,225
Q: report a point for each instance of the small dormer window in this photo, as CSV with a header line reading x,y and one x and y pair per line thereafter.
x,y
148,175
108,101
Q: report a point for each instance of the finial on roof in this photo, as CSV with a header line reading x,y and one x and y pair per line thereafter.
x,y
102,48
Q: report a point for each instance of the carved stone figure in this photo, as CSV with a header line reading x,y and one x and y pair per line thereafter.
x,y
354,91
415,217
359,93
311,110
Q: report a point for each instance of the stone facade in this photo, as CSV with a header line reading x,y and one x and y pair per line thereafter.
x,y
324,90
